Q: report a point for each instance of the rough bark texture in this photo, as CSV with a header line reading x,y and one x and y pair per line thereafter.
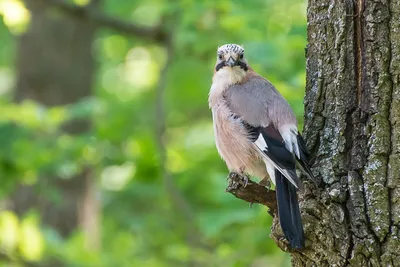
x,y
252,192
352,129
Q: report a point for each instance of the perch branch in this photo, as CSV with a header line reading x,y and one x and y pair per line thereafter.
x,y
252,192
155,33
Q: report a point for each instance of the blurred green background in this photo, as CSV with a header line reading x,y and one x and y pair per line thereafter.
x,y
104,164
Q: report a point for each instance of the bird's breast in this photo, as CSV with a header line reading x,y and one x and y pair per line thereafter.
x,y
222,80
215,97
231,139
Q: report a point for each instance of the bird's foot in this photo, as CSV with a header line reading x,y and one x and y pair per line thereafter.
x,y
235,180
265,182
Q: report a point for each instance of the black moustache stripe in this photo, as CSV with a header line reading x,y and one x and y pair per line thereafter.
x,y
243,65
220,65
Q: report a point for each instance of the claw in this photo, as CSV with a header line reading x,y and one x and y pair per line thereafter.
x,y
266,182
245,180
232,184
231,175
236,179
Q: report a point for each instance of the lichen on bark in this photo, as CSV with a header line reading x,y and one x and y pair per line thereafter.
x,y
352,128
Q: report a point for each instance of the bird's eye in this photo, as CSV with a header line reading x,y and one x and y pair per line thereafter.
x,y
241,56
219,57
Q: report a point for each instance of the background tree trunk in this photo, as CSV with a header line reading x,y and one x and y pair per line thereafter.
x,y
352,113
55,67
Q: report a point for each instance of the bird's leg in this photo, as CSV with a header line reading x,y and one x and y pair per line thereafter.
x,y
266,182
245,178
232,181
235,179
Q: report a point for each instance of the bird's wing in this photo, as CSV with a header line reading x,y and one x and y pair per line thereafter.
x,y
304,158
271,124
252,100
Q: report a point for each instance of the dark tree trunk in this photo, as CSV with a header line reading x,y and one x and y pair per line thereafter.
x,y
55,67
352,128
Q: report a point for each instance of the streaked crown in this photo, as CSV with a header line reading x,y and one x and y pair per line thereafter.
x,y
228,48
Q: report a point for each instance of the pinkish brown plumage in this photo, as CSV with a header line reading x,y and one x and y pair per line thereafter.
x,y
256,133
239,155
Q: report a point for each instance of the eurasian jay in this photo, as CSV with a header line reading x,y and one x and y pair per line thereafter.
x,y
256,134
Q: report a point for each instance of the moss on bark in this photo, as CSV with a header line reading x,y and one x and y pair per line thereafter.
x,y
352,127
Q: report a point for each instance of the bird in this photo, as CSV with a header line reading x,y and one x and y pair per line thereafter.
x,y
256,134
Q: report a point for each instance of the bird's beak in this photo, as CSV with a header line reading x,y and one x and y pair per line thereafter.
x,y
231,62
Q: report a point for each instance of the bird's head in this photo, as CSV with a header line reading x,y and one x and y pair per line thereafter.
x,y
231,56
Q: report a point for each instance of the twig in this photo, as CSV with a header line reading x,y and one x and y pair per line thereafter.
x,y
253,193
155,33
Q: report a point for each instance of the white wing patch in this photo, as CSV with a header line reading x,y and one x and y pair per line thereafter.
x,y
261,146
271,171
289,134
260,143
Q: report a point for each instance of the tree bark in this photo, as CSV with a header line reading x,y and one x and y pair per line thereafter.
x,y
352,128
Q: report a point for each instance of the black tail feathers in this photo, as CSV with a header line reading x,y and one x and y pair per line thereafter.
x,y
289,211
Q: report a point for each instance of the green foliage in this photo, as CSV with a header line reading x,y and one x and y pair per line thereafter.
x,y
141,224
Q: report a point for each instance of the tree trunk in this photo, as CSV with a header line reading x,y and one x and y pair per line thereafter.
x,y
55,67
352,128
